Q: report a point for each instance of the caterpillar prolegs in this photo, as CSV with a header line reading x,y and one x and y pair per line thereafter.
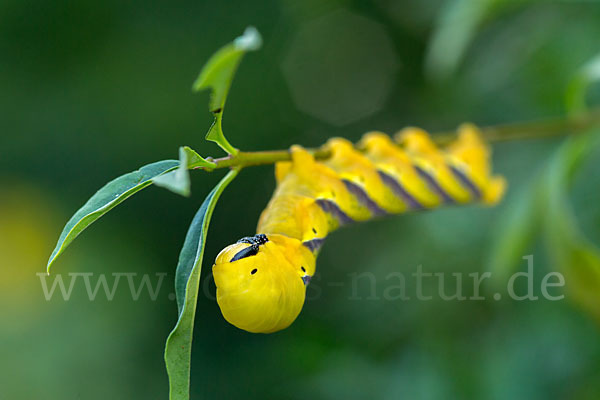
x,y
261,280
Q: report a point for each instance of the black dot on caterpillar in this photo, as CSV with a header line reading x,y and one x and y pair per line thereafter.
x,y
253,271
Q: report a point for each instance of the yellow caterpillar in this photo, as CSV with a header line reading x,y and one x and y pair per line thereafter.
x,y
261,280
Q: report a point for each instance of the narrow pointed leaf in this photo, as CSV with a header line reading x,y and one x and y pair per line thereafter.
x,y
177,181
217,75
458,23
195,160
187,279
572,253
109,196
516,234
587,75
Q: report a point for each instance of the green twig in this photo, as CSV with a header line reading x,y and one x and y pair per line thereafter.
x,y
545,128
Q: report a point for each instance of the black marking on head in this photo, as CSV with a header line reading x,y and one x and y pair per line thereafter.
x,y
303,269
306,279
253,271
400,191
314,244
364,198
255,242
247,252
330,207
466,181
434,185
314,230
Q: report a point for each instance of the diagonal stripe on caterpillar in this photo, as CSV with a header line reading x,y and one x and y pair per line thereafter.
x,y
261,281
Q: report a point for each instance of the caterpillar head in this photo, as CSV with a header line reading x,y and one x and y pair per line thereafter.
x,y
261,282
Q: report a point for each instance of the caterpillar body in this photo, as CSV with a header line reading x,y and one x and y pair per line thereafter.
x,y
261,280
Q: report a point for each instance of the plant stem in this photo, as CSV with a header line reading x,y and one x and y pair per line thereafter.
x,y
545,128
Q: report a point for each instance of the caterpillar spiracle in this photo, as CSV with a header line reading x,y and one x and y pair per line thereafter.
x,y
261,280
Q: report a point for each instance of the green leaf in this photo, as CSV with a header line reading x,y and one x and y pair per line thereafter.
x,y
195,160
588,74
187,279
217,75
109,196
516,233
457,25
178,181
572,253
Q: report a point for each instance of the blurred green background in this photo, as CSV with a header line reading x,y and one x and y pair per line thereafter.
x,y
91,90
